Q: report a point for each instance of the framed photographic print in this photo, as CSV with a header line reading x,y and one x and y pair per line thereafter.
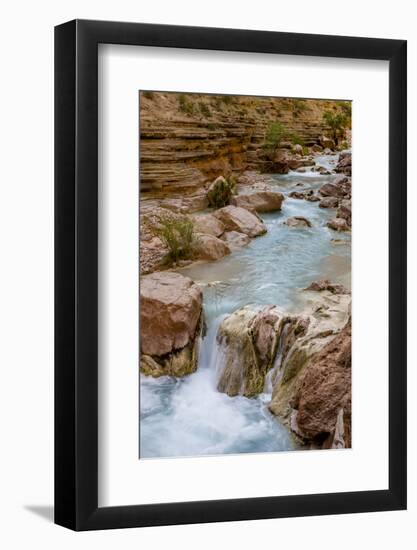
x,y
230,275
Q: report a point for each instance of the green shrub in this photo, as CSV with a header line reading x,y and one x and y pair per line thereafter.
x,y
296,139
337,124
186,106
221,191
204,109
299,106
177,234
228,99
217,103
148,95
275,134
346,107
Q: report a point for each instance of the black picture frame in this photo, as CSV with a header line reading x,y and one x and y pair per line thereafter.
x,y
76,272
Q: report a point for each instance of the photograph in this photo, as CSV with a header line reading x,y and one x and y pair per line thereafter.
x,y
244,274
209,333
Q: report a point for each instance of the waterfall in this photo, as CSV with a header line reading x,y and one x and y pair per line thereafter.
x,y
188,416
211,354
275,373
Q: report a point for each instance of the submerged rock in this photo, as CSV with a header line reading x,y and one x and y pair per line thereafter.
x,y
170,319
298,222
239,219
261,201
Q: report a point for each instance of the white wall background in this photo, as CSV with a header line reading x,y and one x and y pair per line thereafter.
x,y
26,274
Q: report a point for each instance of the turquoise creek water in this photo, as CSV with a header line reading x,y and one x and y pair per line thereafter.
x,y
189,417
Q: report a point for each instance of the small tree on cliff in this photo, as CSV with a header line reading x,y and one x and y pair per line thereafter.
x,y
275,134
337,124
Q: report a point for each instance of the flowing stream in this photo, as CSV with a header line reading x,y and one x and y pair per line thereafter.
x,y
188,416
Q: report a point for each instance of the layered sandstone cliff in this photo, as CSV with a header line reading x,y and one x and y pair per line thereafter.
x,y
187,140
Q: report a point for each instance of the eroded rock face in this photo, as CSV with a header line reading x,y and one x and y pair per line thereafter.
x,y
239,219
298,222
170,318
249,340
260,201
323,397
181,152
258,339
210,248
208,224
345,163
310,369
234,239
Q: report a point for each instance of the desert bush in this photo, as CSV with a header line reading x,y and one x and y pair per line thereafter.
x,y
221,191
275,134
299,106
185,105
177,234
337,124
204,109
228,99
148,95
346,107
296,139
217,103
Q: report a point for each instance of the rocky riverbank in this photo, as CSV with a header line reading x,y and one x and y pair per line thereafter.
x,y
245,323
302,359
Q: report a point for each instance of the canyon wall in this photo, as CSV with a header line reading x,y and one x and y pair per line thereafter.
x,y
186,140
